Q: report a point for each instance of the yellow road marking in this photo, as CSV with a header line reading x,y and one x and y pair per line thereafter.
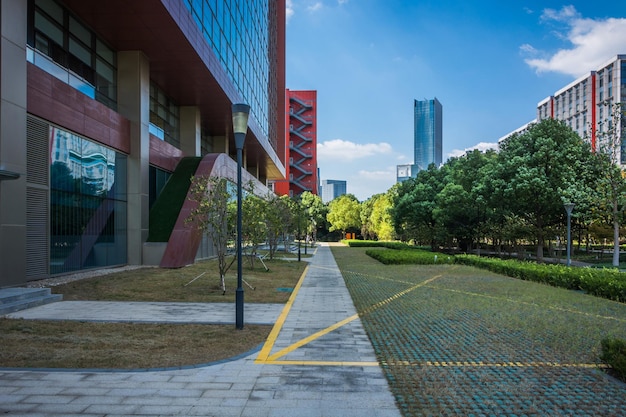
x,y
312,337
566,310
271,338
471,364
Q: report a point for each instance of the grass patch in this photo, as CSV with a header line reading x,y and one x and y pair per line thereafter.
x,y
433,314
56,344
161,284
71,344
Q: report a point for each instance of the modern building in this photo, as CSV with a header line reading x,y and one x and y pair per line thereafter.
x,y
428,134
427,138
301,144
332,189
106,105
586,104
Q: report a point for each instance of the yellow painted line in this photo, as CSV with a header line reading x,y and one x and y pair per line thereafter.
x,y
271,338
319,363
471,364
563,309
312,337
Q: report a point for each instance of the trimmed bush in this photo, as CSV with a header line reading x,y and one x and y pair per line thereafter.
x,y
605,283
614,355
408,256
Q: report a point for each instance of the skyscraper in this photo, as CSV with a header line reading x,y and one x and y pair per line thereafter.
x,y
427,133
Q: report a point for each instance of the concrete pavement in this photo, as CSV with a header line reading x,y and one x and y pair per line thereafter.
x,y
317,361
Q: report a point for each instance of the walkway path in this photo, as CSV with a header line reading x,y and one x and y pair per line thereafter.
x,y
317,362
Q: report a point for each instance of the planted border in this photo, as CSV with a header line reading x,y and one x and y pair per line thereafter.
x,y
409,256
605,283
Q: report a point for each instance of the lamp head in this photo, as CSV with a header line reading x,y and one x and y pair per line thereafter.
x,y
569,207
240,117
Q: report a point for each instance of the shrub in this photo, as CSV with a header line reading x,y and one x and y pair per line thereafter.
x,y
408,256
605,283
614,355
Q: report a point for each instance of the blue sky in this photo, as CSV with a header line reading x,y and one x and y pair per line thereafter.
x,y
488,62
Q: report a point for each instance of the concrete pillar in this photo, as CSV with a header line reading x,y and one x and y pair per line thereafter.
x,y
190,130
13,23
133,79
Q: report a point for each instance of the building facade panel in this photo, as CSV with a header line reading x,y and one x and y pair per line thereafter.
x,y
87,69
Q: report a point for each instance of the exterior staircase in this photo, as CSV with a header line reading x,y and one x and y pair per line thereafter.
x,y
16,299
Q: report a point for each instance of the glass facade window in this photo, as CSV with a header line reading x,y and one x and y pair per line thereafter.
x,y
238,33
164,116
158,179
428,134
87,204
60,36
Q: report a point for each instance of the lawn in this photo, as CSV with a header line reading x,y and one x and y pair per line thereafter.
x,y
448,335
70,344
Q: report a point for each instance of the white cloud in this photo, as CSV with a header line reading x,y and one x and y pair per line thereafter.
x,y
348,151
377,175
315,7
482,146
593,41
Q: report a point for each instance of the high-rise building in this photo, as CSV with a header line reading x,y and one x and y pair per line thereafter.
x,y
106,104
332,189
301,144
427,138
586,104
428,128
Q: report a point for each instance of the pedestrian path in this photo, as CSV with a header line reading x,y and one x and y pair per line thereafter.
x,y
317,362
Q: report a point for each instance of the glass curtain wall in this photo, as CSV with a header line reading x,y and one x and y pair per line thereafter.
x,y
87,204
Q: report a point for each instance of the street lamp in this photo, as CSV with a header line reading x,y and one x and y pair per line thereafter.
x,y
568,208
240,128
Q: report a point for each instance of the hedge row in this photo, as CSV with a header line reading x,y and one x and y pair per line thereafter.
x,y
614,355
380,244
605,283
408,256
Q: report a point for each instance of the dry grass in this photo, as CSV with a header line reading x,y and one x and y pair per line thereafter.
x,y
160,284
70,344
56,344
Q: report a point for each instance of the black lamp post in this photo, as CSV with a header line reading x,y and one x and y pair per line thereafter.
x,y
568,208
240,128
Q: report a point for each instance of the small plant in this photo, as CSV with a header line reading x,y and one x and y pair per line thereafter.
x,y
614,355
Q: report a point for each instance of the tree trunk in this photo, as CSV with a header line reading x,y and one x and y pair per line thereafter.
x,y
615,243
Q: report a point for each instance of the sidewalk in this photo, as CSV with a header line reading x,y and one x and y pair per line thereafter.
x,y
318,361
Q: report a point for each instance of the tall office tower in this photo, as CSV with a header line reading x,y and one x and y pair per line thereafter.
x,y
427,133
110,106
332,189
586,104
301,138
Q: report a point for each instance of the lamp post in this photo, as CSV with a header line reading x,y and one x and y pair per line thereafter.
x,y
568,208
240,128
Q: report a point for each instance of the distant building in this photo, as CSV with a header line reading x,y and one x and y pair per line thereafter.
x,y
404,172
428,128
427,138
332,189
301,135
585,105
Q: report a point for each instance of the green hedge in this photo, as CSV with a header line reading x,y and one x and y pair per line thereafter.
x,y
380,244
605,283
408,256
614,355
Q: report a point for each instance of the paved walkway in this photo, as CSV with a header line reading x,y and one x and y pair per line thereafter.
x,y
317,361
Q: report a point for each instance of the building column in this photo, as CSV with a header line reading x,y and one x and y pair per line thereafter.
x,y
190,130
133,80
13,23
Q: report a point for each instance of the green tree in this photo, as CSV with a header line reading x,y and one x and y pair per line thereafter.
x,y
214,215
611,191
381,219
254,226
538,171
316,211
413,206
344,213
